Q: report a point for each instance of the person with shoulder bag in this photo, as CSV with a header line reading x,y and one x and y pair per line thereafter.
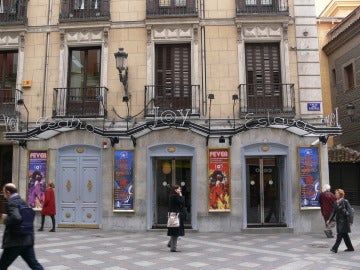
x,y
15,243
176,204
343,215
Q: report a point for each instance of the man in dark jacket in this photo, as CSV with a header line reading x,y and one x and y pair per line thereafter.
x,y
327,200
15,245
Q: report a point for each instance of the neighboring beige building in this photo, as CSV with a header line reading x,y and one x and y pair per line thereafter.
x,y
340,58
221,96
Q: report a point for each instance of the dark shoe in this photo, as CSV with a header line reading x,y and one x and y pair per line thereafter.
x,y
348,250
174,250
40,230
333,250
52,230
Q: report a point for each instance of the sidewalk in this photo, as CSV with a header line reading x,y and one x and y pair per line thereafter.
x,y
85,249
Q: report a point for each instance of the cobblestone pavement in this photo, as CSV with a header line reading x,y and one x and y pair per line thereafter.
x,y
85,249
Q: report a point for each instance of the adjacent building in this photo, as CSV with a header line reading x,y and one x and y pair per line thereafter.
x,y
340,57
222,97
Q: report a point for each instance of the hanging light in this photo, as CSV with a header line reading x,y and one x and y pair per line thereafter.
x,y
166,167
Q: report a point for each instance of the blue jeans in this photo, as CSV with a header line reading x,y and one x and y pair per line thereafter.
x,y
26,252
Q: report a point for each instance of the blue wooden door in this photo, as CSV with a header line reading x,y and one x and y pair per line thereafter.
x,y
78,182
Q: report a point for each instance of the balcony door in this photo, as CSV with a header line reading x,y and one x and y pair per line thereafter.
x,y
8,68
84,81
263,77
173,77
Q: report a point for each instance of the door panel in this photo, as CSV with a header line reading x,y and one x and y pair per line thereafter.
x,y
79,191
263,189
169,172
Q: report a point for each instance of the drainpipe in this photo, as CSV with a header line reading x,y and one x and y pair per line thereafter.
x,y
46,66
203,56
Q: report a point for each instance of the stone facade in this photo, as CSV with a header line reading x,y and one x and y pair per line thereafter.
x,y
220,38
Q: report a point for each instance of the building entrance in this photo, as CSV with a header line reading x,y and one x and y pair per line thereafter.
x,y
264,193
168,172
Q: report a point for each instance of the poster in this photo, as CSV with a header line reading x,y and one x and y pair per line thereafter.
x,y
37,173
309,170
219,179
123,180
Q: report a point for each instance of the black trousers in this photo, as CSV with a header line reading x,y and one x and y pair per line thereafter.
x,y
347,241
26,252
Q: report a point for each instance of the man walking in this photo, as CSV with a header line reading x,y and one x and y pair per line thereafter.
x,y
15,244
327,200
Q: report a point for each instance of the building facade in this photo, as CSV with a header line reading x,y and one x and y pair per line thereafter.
x,y
222,97
339,39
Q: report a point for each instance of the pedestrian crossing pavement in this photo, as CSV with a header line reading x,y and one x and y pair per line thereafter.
x,y
86,249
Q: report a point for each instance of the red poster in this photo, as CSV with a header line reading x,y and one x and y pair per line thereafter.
x,y
219,179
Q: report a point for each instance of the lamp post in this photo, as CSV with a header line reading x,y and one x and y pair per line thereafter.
x,y
21,102
350,108
121,65
234,98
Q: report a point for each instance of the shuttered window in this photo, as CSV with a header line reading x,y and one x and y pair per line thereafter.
x,y
263,76
173,81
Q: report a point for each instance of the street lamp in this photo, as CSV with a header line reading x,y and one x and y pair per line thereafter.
x,y
350,108
121,65
21,102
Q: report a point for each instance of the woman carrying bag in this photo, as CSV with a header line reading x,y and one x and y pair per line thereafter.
x,y
176,204
343,214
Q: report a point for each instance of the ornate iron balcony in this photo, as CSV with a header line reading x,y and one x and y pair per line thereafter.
x,y
263,7
8,97
90,102
84,10
13,12
174,97
171,8
264,99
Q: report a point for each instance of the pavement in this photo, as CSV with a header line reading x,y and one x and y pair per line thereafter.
x,y
86,249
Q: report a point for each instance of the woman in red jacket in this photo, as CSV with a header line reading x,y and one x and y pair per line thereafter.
x,y
49,206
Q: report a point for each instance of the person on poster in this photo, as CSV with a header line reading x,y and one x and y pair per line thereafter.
x,y
37,187
327,200
343,215
219,191
14,244
176,204
48,208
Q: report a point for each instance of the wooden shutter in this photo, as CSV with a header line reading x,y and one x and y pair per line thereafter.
x,y
173,89
263,73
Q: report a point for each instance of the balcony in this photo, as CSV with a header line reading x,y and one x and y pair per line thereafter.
x,y
8,97
267,99
84,10
171,8
262,7
90,102
174,97
13,12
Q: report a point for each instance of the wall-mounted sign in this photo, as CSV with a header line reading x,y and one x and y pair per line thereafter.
x,y
219,179
124,188
309,175
313,107
37,172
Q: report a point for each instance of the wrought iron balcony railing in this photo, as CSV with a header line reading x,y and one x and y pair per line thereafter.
x,y
13,12
174,97
263,7
171,8
264,99
8,98
84,10
90,102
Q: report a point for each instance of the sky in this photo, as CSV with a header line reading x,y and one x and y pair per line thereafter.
x,y
320,5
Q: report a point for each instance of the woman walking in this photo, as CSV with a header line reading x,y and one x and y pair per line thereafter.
x,y
176,204
49,206
343,214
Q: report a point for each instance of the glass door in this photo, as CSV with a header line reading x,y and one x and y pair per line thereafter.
x,y
263,189
169,172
